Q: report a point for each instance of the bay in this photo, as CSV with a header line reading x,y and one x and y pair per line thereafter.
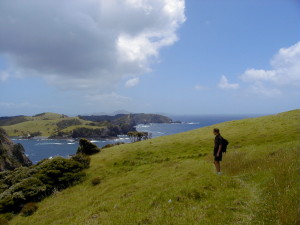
x,y
38,149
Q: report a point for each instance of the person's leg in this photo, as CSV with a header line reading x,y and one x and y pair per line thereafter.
x,y
218,166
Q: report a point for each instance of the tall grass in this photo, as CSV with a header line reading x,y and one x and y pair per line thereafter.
x,y
275,172
171,180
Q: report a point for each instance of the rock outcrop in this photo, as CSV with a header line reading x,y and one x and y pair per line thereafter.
x,y
11,155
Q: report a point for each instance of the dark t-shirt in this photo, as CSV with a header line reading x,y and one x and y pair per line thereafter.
x,y
218,142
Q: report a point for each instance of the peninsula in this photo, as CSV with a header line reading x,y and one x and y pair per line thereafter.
x,y
55,125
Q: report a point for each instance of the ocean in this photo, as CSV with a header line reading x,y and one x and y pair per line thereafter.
x,y
38,149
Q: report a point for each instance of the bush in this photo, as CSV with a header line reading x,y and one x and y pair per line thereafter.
x,y
86,147
31,184
29,209
67,123
29,189
96,181
112,145
17,175
59,173
83,159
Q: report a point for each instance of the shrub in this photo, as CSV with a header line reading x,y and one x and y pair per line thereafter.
x,y
17,175
67,123
139,136
83,159
29,209
29,189
87,147
112,145
31,184
60,173
96,181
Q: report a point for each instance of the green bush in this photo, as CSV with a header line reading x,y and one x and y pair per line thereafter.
x,y
83,159
96,181
29,209
29,189
17,175
31,184
86,147
112,145
59,173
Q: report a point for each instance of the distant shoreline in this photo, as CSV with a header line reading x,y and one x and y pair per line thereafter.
x,y
60,138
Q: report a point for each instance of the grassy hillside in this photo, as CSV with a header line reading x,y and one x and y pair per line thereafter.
x,y
46,123
58,125
171,180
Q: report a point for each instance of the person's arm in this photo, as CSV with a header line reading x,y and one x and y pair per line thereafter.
x,y
220,148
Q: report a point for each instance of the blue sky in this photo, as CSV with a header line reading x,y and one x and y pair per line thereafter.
x,y
173,56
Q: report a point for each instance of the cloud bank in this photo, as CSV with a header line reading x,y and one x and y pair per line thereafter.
x,y
85,44
285,73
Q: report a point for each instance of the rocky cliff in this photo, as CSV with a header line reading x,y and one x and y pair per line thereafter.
x,y
11,155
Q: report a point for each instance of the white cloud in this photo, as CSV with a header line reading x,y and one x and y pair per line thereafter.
x,y
285,72
79,44
132,82
199,87
260,88
224,84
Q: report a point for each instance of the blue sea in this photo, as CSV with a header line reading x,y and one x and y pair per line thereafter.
x,y
38,149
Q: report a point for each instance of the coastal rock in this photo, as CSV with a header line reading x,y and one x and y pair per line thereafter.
x,y
11,155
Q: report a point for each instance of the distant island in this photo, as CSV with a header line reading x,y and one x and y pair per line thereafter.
x,y
53,125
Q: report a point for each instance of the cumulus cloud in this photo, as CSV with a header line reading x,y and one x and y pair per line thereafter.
x,y
132,82
83,44
224,84
285,72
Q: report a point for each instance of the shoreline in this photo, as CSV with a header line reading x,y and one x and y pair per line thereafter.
x,y
65,138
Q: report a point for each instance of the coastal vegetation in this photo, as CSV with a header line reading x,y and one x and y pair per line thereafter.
x,y
61,126
171,180
22,187
139,136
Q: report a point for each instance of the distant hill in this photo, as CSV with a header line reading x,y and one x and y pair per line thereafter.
x,y
11,120
171,180
134,119
61,126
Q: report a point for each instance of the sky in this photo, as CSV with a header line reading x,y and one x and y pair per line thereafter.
x,y
189,57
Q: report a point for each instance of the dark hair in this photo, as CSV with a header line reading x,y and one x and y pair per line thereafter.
x,y
216,130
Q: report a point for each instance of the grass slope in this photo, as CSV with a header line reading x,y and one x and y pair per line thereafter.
x,y
171,180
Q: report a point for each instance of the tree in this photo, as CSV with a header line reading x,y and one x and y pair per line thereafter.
x,y
138,136
86,147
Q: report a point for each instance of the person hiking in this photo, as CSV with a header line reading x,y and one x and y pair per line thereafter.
x,y
218,150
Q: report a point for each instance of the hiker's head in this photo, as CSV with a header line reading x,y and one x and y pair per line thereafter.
x,y
216,131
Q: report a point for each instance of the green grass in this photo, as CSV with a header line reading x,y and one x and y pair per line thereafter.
x,y
171,180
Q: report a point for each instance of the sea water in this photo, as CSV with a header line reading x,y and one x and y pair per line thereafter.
x,y
38,149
